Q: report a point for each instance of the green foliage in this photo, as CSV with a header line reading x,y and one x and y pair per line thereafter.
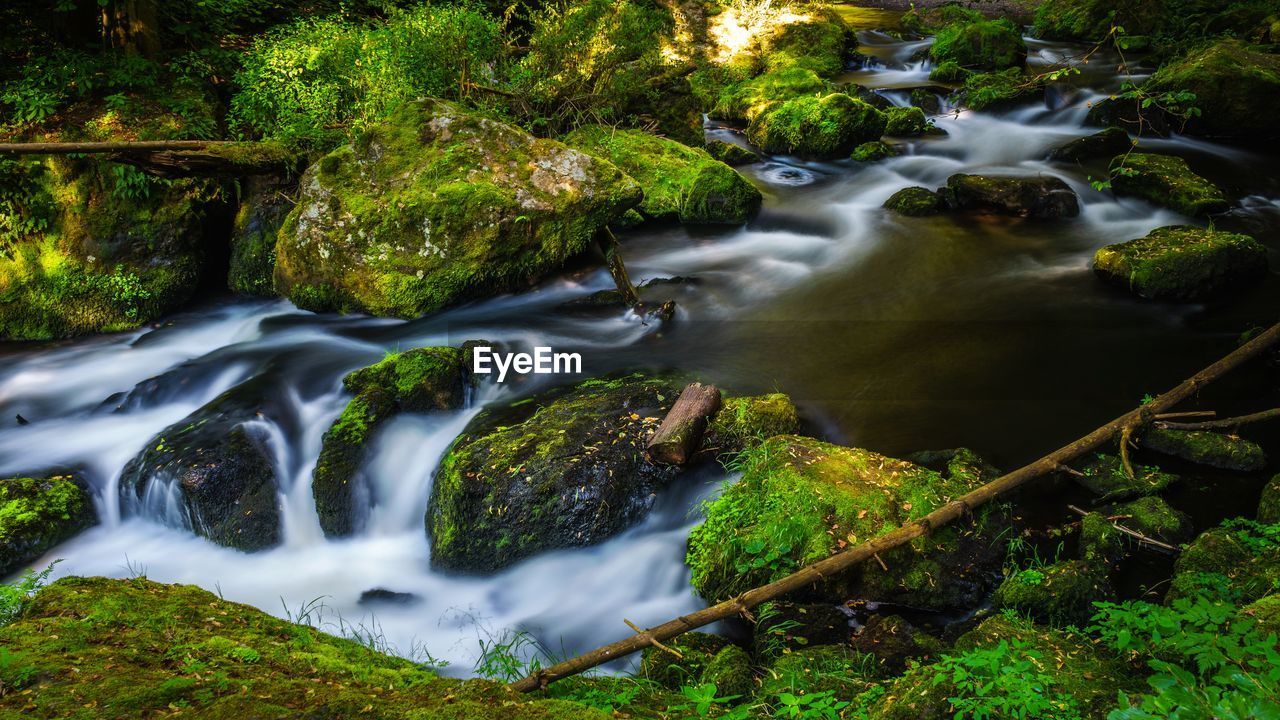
x,y
25,205
1008,680
316,80
13,596
980,43
814,706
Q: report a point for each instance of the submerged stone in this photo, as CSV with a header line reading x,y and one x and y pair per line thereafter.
x,y
915,202
679,182
562,469
1166,180
1106,143
1105,476
1183,263
37,514
417,380
1238,561
1059,594
1207,448
437,205
1037,197
812,126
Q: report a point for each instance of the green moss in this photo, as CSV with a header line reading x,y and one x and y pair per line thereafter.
x,y
827,668
1104,475
1107,143
872,151
1265,612
1041,197
895,642
1093,19
1102,542
799,500
744,422
437,205
730,671
1239,561
829,126
1269,505
1236,89
949,72
905,121
980,43
1182,263
1059,594
982,91
731,154
93,648
819,44
679,182
914,202
37,514
749,99
1207,448
1168,181
697,653
262,210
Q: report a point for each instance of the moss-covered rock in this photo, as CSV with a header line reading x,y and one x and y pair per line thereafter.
x,y
91,648
835,669
799,500
1106,143
437,205
872,151
267,200
38,513
1183,263
949,72
984,91
731,154
697,652
1092,19
1166,180
1269,505
813,126
894,641
744,422
730,671
91,246
1240,560
915,202
1236,88
905,122
783,627
565,468
819,42
216,467
1104,475
679,182
1059,594
1043,197
1151,516
1265,612
749,99
1207,448
981,44
418,380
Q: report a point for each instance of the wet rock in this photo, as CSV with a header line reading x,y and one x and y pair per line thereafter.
x,y
800,499
1151,516
731,154
915,202
868,96
1059,594
383,596
747,100
1183,263
37,514
1207,448
1104,475
894,641
437,205
744,422
220,469
1167,181
1091,20
1106,143
1240,560
1038,197
985,91
418,380
1269,505
783,627
905,122
980,43
872,151
700,652
949,72
829,668
927,100
812,126
1237,90
652,291
679,182
267,200
563,469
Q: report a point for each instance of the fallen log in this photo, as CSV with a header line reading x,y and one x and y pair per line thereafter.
x,y
1222,424
613,260
960,507
175,158
680,434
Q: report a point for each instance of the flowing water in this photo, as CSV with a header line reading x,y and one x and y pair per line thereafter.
x,y
891,333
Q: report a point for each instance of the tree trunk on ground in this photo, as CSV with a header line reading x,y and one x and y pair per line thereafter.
x,y
680,434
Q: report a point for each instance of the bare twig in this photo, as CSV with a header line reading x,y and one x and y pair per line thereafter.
x,y
1230,422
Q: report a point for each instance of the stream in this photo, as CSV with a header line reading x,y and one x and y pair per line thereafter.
x,y
891,333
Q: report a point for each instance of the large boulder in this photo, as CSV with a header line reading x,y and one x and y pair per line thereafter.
x,y
437,205
980,43
38,513
1093,19
915,201
1166,180
679,182
563,469
416,380
1237,90
211,472
1207,448
1182,263
1105,143
799,500
1106,477
1239,560
816,126
1030,197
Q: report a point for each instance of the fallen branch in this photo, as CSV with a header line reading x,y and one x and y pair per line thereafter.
x,y
89,148
680,433
175,158
941,516
1230,422
613,260
1131,533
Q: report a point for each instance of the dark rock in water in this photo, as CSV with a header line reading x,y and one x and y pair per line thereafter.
x,y
819,127
894,641
1107,143
38,513
1104,475
1207,448
905,122
416,380
868,96
613,300
1183,263
267,200
1166,180
915,202
927,100
1059,594
382,596
1125,113
223,471
786,626
872,151
1029,197
1102,542
731,153
563,469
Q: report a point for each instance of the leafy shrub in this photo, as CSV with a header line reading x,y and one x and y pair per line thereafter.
x,y
13,596
1007,680
25,205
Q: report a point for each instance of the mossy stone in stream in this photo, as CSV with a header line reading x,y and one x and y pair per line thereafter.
x,y
267,200
1105,476
1166,180
821,127
730,153
1183,263
436,205
1105,143
38,513
418,380
1092,20
915,202
980,44
1239,561
819,43
905,122
949,72
872,151
112,644
1060,594
679,182
746,421
748,99
1151,516
800,499
836,669
1044,197
1236,88
1269,505
565,468
984,91
1207,448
